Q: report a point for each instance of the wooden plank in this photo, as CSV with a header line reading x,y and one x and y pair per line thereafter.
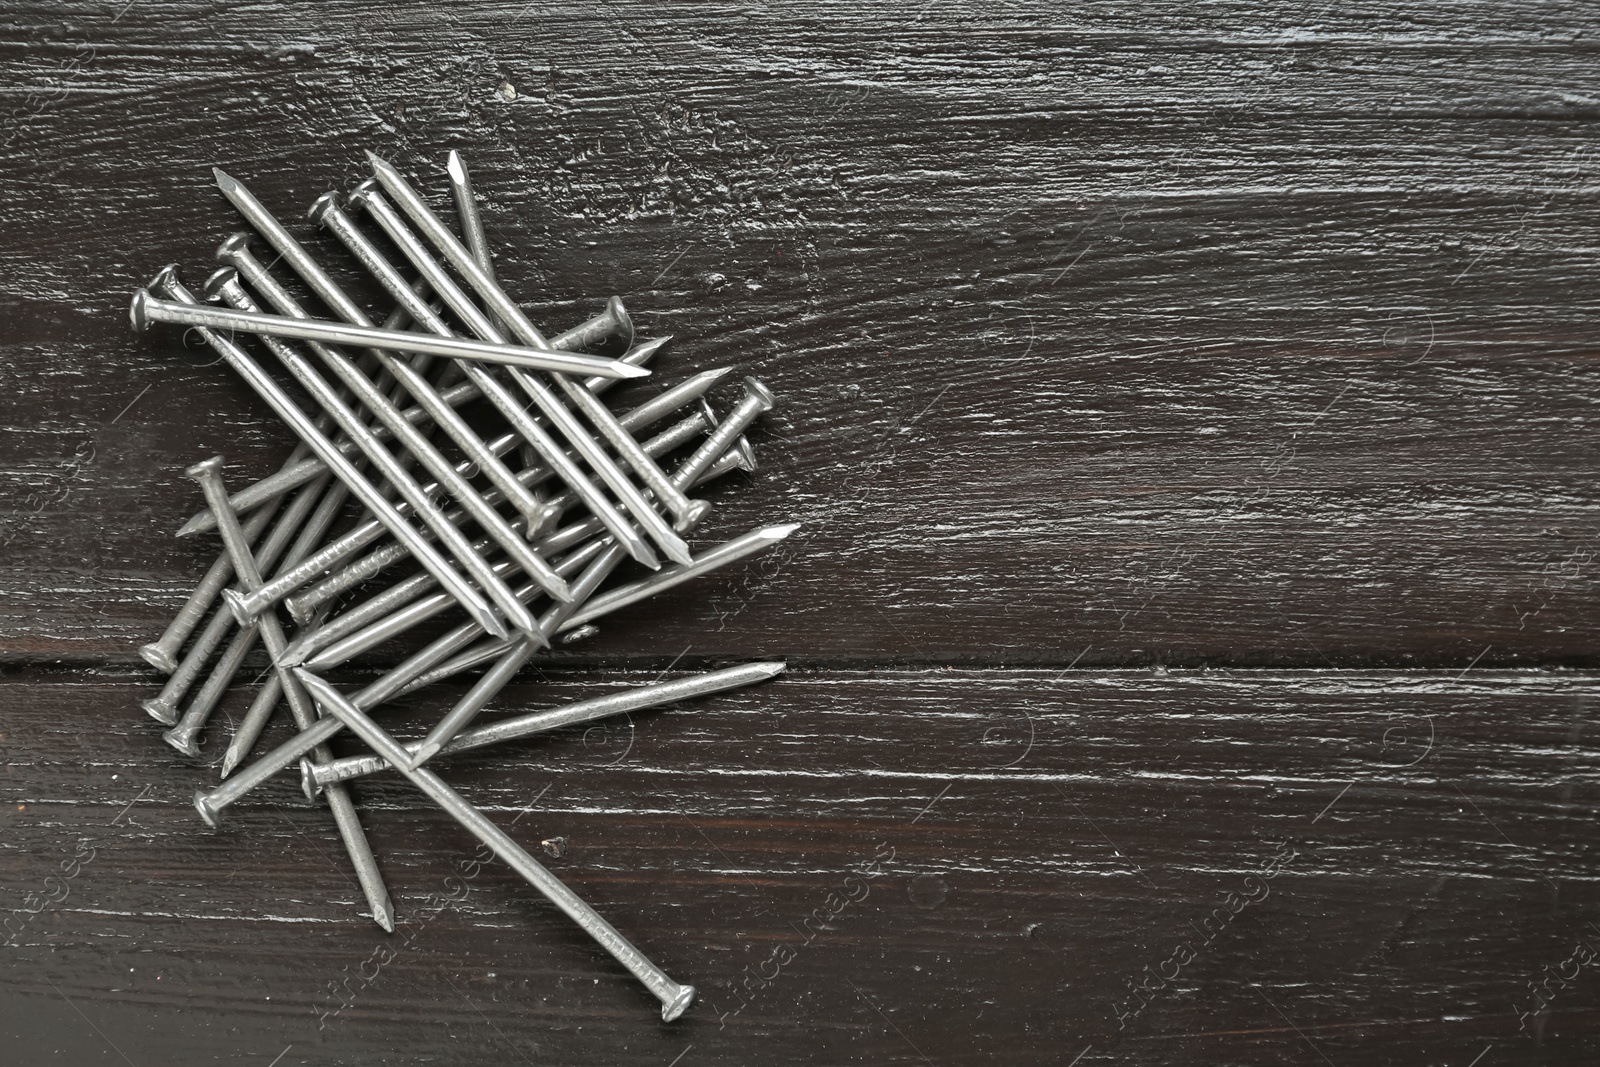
x,y
1250,340
1052,835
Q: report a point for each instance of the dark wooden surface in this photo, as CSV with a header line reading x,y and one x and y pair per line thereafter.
x,y
1190,411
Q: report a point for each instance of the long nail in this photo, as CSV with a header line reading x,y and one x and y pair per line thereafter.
x,y
674,997
612,323
301,606
185,734
146,309
559,618
344,638
369,495
274,485
467,213
327,213
394,470
162,653
542,722
406,677
164,707
755,541
320,655
374,563
571,429
209,474
596,412
419,447
399,477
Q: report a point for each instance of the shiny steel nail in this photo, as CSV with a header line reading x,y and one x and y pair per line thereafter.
x,y
674,997
146,309
302,605
164,707
226,284
757,399
399,478
185,734
326,212
312,501
639,355
163,652
341,639
406,677
369,495
541,722
209,474
597,413
353,574
756,540
467,212
274,485
368,198
454,660
612,323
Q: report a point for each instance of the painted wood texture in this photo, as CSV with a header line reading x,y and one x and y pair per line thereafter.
x,y
1243,339
1040,839
1161,338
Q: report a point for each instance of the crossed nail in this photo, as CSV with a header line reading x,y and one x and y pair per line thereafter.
x,y
519,531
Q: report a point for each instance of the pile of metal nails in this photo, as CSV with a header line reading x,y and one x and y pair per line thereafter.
x,y
489,525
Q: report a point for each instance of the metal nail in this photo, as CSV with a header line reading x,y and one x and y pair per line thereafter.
x,y
274,485
209,474
570,428
302,605
375,501
226,284
467,212
326,212
597,413
185,734
146,309
163,652
541,722
164,707
342,641
492,649
399,478
755,541
675,998
612,323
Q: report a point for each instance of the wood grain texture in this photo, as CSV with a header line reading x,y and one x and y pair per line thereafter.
x,y
1226,337
1043,837
1239,358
